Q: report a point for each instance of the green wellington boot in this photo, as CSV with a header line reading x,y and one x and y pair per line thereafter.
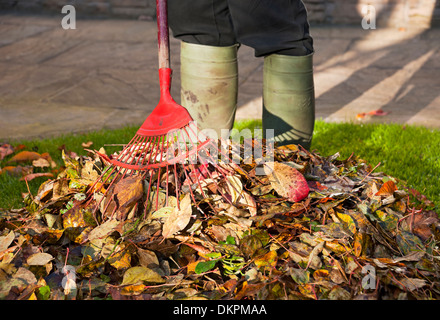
x,y
209,85
289,99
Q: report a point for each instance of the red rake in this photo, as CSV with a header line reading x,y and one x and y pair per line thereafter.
x,y
168,150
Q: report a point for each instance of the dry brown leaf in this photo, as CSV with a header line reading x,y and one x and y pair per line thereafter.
x,y
87,144
235,188
420,224
387,189
44,191
88,173
123,196
249,290
41,163
412,284
46,156
103,230
60,188
5,150
18,170
39,259
6,241
250,202
178,219
25,156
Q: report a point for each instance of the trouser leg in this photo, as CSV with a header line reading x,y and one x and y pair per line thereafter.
x,y
277,30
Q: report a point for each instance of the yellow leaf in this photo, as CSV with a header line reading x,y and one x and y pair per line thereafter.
x,y
133,289
120,259
191,267
308,290
33,296
336,247
267,260
138,274
348,222
321,274
357,246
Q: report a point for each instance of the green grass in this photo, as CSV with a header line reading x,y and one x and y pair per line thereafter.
x,y
11,188
408,153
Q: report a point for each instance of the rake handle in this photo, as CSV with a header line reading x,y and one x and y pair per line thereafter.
x,y
163,34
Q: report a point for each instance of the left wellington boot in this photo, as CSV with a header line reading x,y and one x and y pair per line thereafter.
x,y
209,86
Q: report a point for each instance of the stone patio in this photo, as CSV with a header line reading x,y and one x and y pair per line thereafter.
x,y
104,75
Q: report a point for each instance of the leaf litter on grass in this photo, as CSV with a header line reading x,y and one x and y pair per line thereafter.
x,y
313,227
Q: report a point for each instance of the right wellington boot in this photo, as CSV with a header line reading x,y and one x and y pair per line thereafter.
x,y
289,99
209,86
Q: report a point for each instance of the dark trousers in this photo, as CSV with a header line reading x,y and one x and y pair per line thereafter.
x,y
268,26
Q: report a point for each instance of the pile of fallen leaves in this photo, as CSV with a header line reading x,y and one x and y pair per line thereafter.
x,y
354,234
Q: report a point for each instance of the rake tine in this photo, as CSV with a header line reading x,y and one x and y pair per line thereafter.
x,y
185,170
177,186
139,159
158,176
151,178
127,152
167,171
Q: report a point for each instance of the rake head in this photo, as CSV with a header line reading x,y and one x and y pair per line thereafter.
x,y
167,157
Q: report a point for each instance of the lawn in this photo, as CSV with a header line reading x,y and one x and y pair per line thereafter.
x,y
408,153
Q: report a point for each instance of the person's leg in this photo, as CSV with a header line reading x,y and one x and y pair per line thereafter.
x,y
205,22
279,31
209,70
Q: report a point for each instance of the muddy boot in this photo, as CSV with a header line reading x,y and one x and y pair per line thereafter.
x,y
289,98
209,84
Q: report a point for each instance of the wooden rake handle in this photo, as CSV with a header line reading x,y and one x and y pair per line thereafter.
x,y
163,34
